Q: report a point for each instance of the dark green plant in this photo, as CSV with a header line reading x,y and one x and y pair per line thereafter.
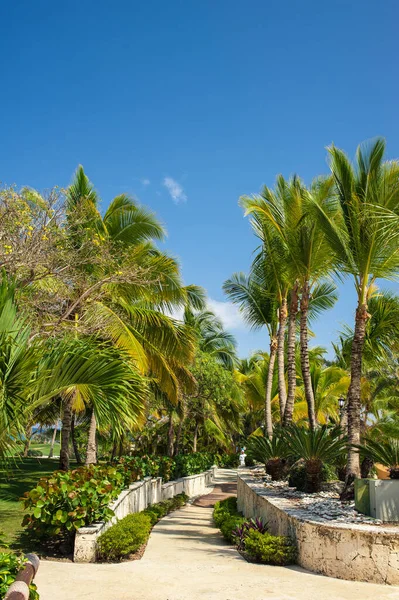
x,y
270,549
125,537
229,526
224,509
271,452
10,565
65,501
384,451
322,445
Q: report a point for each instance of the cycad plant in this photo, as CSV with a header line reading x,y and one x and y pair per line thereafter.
x,y
384,451
315,447
272,452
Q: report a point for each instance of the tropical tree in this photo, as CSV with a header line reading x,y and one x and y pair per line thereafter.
x,y
271,452
364,243
258,305
307,260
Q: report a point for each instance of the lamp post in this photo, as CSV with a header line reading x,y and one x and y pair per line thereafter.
x,y
341,404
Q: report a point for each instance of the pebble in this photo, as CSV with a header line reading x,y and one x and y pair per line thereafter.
x,y
326,505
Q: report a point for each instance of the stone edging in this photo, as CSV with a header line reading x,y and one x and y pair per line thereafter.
x,y
346,551
134,499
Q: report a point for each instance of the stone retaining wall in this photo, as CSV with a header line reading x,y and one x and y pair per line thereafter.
x,y
346,551
136,498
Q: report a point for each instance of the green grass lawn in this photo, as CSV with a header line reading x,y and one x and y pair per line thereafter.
x,y
20,477
45,448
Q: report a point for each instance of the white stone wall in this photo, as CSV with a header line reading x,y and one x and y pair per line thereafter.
x,y
345,551
136,498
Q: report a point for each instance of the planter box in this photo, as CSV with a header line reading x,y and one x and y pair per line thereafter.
x,y
384,499
378,498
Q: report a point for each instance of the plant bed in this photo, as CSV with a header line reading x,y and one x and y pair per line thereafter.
x,y
127,539
251,536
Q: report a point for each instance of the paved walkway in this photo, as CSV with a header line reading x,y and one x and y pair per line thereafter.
x,y
187,559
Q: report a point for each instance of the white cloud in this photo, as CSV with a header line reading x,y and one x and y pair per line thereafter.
x,y
145,181
228,313
175,190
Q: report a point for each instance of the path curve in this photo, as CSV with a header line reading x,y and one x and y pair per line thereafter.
x,y
187,559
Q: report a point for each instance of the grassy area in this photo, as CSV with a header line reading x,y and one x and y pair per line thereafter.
x,y
14,481
45,448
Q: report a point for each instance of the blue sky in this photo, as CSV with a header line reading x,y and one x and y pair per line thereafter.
x,y
188,105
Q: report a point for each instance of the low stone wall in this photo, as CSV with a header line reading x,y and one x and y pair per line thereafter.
x,y
136,498
346,551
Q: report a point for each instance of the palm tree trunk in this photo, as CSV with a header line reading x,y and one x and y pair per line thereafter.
x,y
171,436
91,453
178,437
195,438
304,351
291,365
353,401
75,446
65,434
50,454
282,393
269,386
28,437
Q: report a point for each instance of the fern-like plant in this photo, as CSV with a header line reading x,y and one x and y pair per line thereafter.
x,y
384,451
315,447
271,452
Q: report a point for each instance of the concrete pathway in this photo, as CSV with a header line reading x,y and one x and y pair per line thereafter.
x,y
187,559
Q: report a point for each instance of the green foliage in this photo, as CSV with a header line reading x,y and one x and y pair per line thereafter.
x,y
229,525
191,464
227,461
68,500
324,444
10,565
130,533
384,451
270,549
224,509
125,537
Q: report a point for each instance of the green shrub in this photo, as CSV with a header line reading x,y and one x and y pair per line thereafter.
x,y
125,537
270,549
191,464
224,509
229,525
10,565
227,461
68,500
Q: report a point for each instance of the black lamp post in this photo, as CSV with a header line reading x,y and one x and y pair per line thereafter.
x,y
341,404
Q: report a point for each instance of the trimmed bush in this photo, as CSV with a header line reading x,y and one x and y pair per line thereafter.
x,y
130,533
270,549
125,537
227,461
224,509
229,526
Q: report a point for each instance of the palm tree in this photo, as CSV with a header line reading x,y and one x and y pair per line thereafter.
x,y
259,308
308,259
365,246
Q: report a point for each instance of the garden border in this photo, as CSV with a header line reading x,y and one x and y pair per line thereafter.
x,y
134,499
346,551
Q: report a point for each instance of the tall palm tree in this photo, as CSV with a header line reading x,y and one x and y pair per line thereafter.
x,y
259,308
365,246
272,264
306,252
